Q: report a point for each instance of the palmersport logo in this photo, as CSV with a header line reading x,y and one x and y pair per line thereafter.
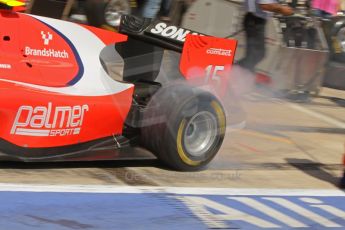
x,y
47,37
49,120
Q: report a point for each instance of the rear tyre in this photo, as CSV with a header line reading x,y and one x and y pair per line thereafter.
x,y
191,131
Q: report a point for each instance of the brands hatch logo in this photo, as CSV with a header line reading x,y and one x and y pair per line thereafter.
x,y
171,32
221,52
47,37
49,120
45,52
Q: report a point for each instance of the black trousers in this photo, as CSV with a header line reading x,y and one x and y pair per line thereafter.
x,y
255,46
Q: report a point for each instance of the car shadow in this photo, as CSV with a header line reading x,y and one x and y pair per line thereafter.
x,y
339,101
316,169
81,164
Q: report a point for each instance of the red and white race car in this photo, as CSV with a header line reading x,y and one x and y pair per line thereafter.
x,y
59,101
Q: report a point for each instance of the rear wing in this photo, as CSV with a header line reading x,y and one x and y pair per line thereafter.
x,y
204,58
190,43
156,32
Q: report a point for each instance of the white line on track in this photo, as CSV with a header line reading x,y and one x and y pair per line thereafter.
x,y
325,118
75,188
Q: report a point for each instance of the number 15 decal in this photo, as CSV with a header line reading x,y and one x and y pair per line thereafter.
x,y
212,74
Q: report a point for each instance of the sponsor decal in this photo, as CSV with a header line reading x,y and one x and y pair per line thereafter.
x,y
49,120
221,52
45,52
5,66
47,37
172,32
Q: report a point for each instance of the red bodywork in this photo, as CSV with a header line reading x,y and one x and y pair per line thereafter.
x,y
208,60
45,100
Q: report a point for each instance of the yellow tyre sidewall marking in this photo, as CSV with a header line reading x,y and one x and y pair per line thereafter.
x,y
221,120
180,149
220,116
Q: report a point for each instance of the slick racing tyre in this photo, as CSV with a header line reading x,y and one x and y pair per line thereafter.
x,y
106,13
190,127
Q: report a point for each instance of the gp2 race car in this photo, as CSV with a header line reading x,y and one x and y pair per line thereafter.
x,y
60,101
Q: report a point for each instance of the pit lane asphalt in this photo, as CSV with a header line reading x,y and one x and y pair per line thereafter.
x,y
284,145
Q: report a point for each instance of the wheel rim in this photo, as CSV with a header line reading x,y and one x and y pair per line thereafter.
x,y
200,133
341,38
114,10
